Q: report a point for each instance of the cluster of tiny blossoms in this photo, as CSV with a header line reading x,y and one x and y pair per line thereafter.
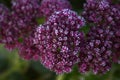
x,y
50,6
60,43
101,12
4,13
59,40
26,8
27,50
96,53
116,42
102,45
19,23
26,13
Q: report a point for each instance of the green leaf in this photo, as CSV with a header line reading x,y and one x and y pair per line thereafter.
x,y
40,20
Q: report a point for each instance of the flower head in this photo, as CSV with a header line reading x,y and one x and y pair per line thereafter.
x,y
27,49
100,12
4,13
20,22
26,8
96,54
48,7
59,40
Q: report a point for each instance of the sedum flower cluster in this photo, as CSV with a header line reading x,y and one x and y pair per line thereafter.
x,y
18,22
60,42
96,53
102,45
48,7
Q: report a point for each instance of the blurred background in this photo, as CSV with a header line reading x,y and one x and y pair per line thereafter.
x,y
12,67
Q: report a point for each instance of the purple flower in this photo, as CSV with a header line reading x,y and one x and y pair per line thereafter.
x,y
104,13
20,22
50,6
96,54
59,40
27,49
14,29
4,24
24,14
4,13
100,12
116,44
26,8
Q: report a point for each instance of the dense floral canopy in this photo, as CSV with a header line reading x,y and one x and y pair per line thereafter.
x,y
61,42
